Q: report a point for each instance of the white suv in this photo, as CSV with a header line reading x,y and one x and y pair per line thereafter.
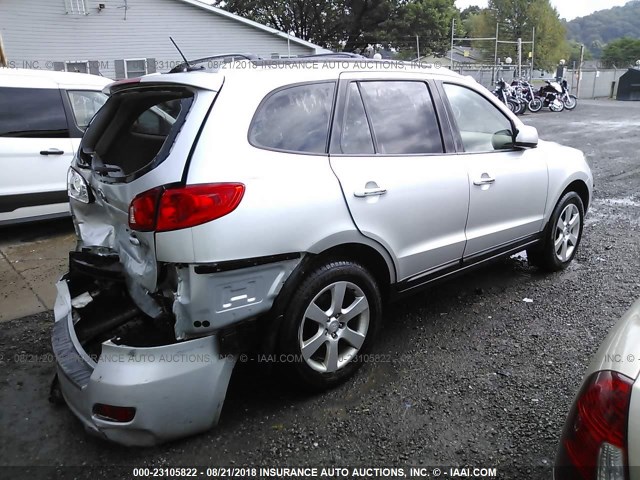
x,y
43,115
277,206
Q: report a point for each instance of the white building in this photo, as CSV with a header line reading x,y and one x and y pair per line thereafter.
x,y
128,38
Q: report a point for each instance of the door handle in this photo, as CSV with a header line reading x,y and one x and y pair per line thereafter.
x,y
51,151
370,192
485,179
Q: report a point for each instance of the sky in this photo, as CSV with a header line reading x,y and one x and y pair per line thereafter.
x,y
566,9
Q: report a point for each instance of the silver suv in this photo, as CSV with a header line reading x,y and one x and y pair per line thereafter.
x,y
275,207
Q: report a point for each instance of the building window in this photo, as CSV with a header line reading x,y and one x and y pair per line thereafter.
x,y
76,7
80,67
135,67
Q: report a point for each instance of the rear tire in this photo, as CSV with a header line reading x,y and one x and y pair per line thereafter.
x,y
562,236
330,323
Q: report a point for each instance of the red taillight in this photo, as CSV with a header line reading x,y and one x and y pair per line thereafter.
x,y
174,208
113,413
143,209
595,427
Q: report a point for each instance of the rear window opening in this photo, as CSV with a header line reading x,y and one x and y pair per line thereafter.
x,y
134,131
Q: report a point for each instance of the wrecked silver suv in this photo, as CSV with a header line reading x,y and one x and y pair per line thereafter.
x,y
272,210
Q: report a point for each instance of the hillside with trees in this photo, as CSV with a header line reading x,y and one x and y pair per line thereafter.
x,y
602,27
621,53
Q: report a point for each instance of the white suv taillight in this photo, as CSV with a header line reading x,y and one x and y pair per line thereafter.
x,y
594,441
163,209
77,187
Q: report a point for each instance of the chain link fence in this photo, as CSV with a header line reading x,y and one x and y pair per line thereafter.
x,y
593,83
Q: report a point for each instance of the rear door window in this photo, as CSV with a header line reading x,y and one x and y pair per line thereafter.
x,y
356,135
32,113
402,116
294,119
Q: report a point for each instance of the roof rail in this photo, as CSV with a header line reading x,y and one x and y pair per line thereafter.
x,y
191,64
333,55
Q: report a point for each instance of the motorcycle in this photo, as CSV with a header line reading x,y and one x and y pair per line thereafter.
x,y
570,101
551,95
502,91
525,90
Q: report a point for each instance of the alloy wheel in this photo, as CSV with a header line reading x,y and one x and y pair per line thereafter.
x,y
334,327
567,232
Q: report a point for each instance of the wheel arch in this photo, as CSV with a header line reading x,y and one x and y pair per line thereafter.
x,y
576,185
367,256
376,260
580,187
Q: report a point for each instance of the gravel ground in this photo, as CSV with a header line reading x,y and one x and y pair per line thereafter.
x,y
468,374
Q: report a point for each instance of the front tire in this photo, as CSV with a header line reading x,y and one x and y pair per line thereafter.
x,y
562,235
330,323
556,105
535,104
570,102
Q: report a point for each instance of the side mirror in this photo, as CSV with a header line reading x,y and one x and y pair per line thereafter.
x,y
526,137
502,140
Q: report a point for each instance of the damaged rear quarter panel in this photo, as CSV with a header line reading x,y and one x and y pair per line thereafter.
x,y
205,303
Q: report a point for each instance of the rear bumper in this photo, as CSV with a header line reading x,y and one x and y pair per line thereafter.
x,y
177,390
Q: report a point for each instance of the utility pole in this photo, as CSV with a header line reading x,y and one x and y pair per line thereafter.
x,y
519,57
533,47
453,29
418,47
495,56
580,70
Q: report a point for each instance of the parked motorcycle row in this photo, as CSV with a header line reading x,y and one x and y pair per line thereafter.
x,y
520,96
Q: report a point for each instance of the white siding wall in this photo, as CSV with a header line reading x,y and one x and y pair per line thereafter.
x,y
41,31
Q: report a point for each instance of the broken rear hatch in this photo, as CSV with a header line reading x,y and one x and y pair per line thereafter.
x,y
140,140
121,369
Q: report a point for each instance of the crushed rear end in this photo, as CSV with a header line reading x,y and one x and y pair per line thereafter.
x,y
132,363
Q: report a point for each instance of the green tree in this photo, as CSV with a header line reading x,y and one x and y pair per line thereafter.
x,y
517,19
469,11
430,20
574,54
353,25
481,25
348,25
363,23
551,44
621,53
